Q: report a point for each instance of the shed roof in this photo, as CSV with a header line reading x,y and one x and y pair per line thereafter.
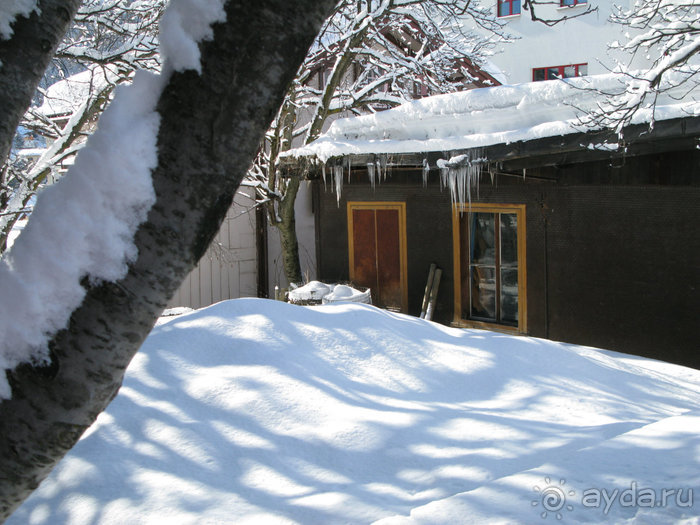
x,y
511,122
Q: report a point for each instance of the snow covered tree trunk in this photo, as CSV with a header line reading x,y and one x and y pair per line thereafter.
x,y
211,126
24,57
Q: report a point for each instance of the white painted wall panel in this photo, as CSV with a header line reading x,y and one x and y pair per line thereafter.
x,y
228,269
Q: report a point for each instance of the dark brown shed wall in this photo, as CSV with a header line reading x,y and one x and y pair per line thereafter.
x,y
613,253
428,233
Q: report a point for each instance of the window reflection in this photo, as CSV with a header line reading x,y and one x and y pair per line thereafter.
x,y
491,272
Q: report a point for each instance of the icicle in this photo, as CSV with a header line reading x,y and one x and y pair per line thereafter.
x,y
349,169
476,182
442,166
379,170
460,174
426,171
338,178
371,173
383,159
323,172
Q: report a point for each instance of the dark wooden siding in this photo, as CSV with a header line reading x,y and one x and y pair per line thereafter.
x,y
428,233
613,250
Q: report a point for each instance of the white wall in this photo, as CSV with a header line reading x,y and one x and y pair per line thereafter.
x,y
228,269
579,40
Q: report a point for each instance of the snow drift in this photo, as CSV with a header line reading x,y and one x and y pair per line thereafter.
x,y
254,411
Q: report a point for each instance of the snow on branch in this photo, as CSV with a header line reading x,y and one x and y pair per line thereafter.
x,y
184,24
667,32
531,6
10,10
119,32
106,43
82,227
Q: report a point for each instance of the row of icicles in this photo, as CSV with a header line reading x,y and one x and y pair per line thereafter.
x,y
459,174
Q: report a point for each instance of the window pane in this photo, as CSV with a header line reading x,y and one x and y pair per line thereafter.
x,y
482,238
483,292
583,70
503,9
568,2
509,296
509,240
538,75
553,73
516,7
569,71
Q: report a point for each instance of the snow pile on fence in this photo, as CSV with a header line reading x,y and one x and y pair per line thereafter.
x,y
483,117
255,411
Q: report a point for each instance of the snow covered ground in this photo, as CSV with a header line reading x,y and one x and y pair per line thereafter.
x,y
255,411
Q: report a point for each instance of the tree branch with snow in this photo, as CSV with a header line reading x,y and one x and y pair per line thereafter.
x,y
664,32
108,41
370,55
532,5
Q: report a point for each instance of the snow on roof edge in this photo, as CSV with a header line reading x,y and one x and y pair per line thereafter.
x,y
480,117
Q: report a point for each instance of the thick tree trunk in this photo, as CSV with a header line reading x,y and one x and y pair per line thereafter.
x,y
288,233
25,57
210,130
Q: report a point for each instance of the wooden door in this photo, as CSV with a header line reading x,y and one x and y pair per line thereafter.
x,y
377,250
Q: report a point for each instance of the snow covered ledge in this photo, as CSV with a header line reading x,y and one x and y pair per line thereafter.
x,y
83,227
458,127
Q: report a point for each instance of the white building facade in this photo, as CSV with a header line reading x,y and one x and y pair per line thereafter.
x,y
576,46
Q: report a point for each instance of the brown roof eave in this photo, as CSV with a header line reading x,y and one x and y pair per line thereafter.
x,y
667,135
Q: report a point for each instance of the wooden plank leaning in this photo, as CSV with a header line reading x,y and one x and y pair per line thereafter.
x,y
433,294
428,287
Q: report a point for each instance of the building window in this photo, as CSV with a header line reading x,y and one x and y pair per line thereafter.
x,y
571,3
508,7
490,275
419,90
556,72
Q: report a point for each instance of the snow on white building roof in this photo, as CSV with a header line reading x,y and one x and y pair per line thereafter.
x,y
67,95
483,117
